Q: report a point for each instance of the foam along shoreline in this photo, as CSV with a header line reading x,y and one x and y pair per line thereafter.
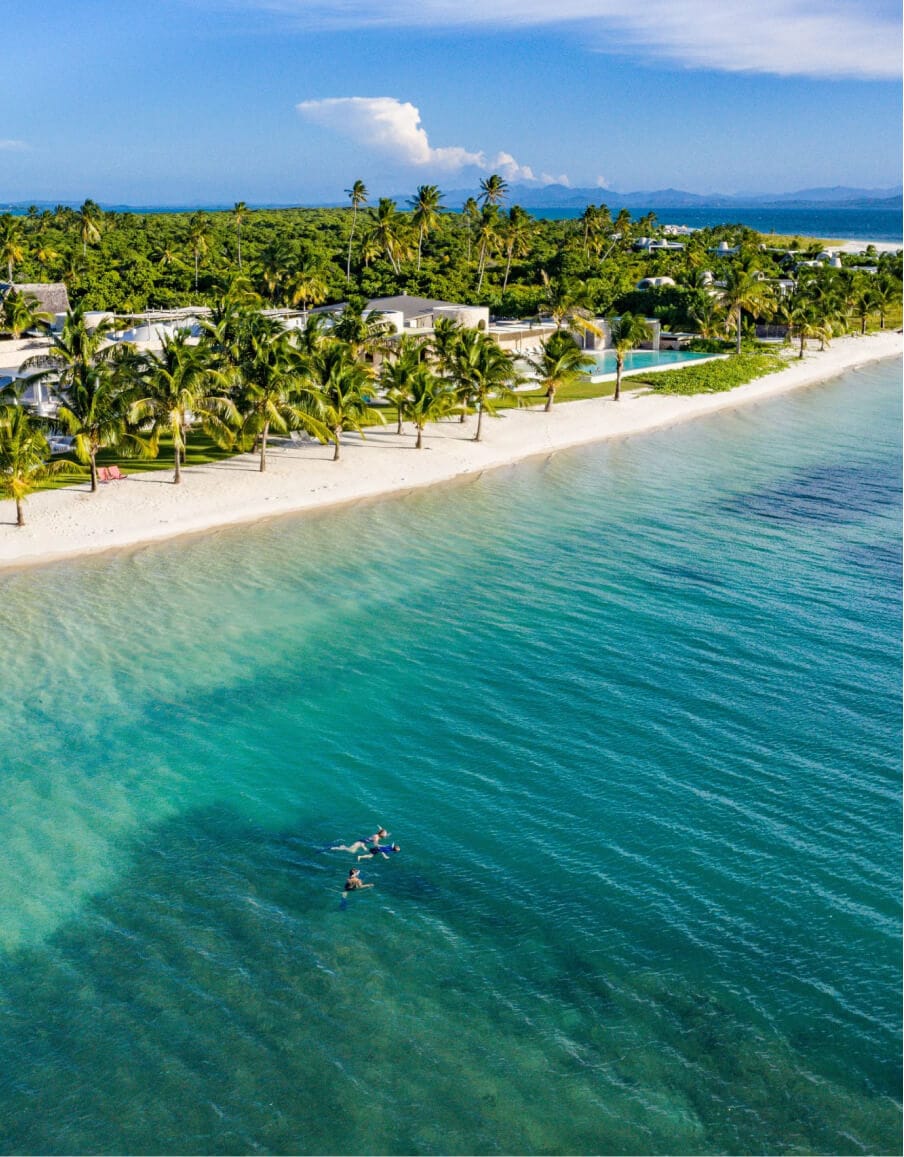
x,y
147,507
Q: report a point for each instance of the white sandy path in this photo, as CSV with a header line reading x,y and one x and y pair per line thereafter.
x,y
148,507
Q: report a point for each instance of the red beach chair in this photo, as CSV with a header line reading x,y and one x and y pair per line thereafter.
x,y
103,474
114,474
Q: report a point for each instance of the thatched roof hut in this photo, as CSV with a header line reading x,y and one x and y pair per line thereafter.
x,y
52,296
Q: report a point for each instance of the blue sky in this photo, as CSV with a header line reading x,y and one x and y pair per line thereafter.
x,y
289,101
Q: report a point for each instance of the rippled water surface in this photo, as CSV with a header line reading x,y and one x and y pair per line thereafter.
x,y
633,715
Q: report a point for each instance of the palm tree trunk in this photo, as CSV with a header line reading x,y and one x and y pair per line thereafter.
x,y
508,269
550,395
617,395
420,438
479,421
239,231
177,473
336,434
196,271
739,331
351,237
20,513
803,340
420,239
399,426
264,446
93,473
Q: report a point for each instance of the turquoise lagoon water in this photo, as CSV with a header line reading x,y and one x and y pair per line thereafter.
x,y
641,360
633,714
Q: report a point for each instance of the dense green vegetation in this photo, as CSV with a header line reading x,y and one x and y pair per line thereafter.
x,y
483,253
716,376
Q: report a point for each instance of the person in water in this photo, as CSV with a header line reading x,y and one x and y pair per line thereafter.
x,y
363,845
353,881
384,850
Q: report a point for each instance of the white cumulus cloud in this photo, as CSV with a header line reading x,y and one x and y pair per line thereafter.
x,y
12,146
388,126
393,127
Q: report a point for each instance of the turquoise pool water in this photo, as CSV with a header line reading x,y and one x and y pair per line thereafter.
x,y
641,360
633,715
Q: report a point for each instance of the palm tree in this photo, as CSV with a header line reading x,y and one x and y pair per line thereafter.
x,y
430,399
363,333
21,311
274,393
198,238
274,259
560,363
488,236
484,374
175,384
24,455
627,332
239,214
90,221
398,372
357,194
341,386
387,228
308,286
516,233
886,293
426,214
744,290
493,190
471,213
94,410
446,334
12,243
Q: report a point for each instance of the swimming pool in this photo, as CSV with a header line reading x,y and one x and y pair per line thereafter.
x,y
604,360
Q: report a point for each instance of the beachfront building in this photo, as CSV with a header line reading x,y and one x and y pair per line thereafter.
x,y
418,314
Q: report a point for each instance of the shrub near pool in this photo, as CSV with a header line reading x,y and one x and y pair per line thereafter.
x,y
713,377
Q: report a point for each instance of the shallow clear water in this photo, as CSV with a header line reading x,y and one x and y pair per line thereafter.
x,y
633,714
605,362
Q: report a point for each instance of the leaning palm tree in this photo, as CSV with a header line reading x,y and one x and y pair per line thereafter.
x,y
24,458
275,394
174,389
425,217
560,364
341,387
471,213
483,375
430,399
12,243
627,331
357,194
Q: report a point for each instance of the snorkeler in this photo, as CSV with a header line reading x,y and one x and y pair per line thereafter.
x,y
353,881
363,844
384,850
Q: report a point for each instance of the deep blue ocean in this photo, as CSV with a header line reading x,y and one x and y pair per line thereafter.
x,y
633,714
831,224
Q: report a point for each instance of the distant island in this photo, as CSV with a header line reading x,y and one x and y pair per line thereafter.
x,y
534,196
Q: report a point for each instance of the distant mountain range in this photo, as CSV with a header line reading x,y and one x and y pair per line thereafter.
x,y
565,197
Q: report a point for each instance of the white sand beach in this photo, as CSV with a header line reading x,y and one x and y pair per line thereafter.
x,y
862,246
148,507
